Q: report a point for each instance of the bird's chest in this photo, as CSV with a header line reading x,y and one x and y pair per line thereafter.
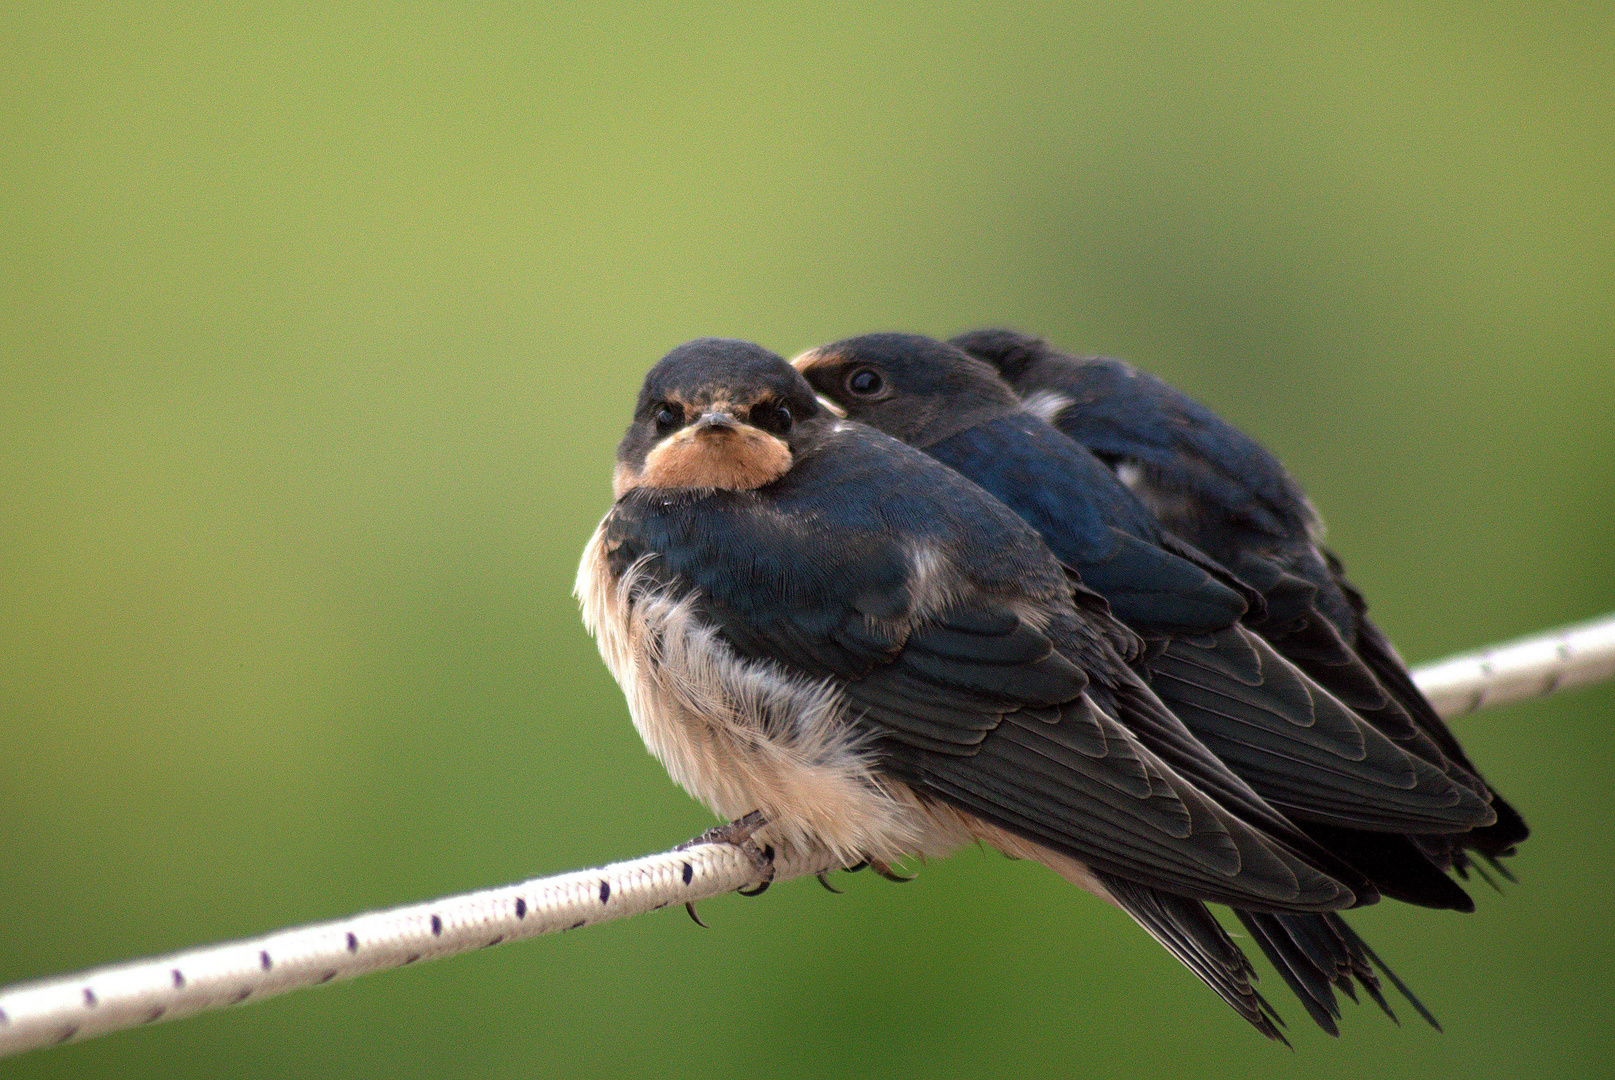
x,y
740,734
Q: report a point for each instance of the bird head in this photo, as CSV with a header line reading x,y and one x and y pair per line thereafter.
x,y
915,388
716,413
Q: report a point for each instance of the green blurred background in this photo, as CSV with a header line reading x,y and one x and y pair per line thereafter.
x,y
320,323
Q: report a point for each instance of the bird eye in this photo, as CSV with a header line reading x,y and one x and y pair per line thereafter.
x,y
865,382
668,418
772,416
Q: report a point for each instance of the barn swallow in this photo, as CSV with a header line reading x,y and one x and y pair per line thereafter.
x,y
1215,487
1344,782
837,639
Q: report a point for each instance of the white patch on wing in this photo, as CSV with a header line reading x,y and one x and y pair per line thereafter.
x,y
932,582
1174,509
744,735
1047,405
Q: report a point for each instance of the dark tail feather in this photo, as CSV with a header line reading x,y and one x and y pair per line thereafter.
x,y
1316,954
1356,942
1191,933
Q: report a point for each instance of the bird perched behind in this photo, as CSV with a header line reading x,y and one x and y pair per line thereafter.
x,y
1220,490
1371,801
821,626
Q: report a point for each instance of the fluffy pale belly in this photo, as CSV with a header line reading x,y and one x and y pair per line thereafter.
x,y
744,735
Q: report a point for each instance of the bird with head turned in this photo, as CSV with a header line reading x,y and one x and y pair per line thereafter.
x,y
1374,802
829,635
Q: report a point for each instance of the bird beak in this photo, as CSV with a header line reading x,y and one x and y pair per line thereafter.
x,y
805,360
715,421
808,359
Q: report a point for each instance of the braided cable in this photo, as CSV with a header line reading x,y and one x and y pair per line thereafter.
x,y
120,996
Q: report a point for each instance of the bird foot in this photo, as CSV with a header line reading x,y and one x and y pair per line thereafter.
x,y
879,867
739,833
824,879
886,871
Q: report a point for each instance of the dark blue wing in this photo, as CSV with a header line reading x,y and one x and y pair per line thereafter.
x,y
1092,523
1227,495
1296,745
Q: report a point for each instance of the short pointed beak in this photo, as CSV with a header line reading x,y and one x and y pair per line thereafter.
x,y
715,421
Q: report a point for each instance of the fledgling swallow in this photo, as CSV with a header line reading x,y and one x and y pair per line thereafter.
x,y
1343,781
1217,488
822,627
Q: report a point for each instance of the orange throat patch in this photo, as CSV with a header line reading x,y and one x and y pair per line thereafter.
x,y
735,459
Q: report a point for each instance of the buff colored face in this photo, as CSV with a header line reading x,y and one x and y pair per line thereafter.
x,y
709,442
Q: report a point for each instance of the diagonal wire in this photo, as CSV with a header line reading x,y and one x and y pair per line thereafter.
x,y
120,996
1530,667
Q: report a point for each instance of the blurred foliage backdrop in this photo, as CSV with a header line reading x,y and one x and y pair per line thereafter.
x,y
319,325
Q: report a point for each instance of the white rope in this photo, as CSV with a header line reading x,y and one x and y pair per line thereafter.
x,y
121,996
1531,667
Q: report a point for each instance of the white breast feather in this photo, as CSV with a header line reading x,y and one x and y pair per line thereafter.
x,y
744,735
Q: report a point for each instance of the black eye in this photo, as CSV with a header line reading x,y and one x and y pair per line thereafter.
x,y
772,416
668,418
865,382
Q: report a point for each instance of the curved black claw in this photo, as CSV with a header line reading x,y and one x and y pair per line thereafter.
x,y
739,833
766,869
825,881
886,871
689,906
